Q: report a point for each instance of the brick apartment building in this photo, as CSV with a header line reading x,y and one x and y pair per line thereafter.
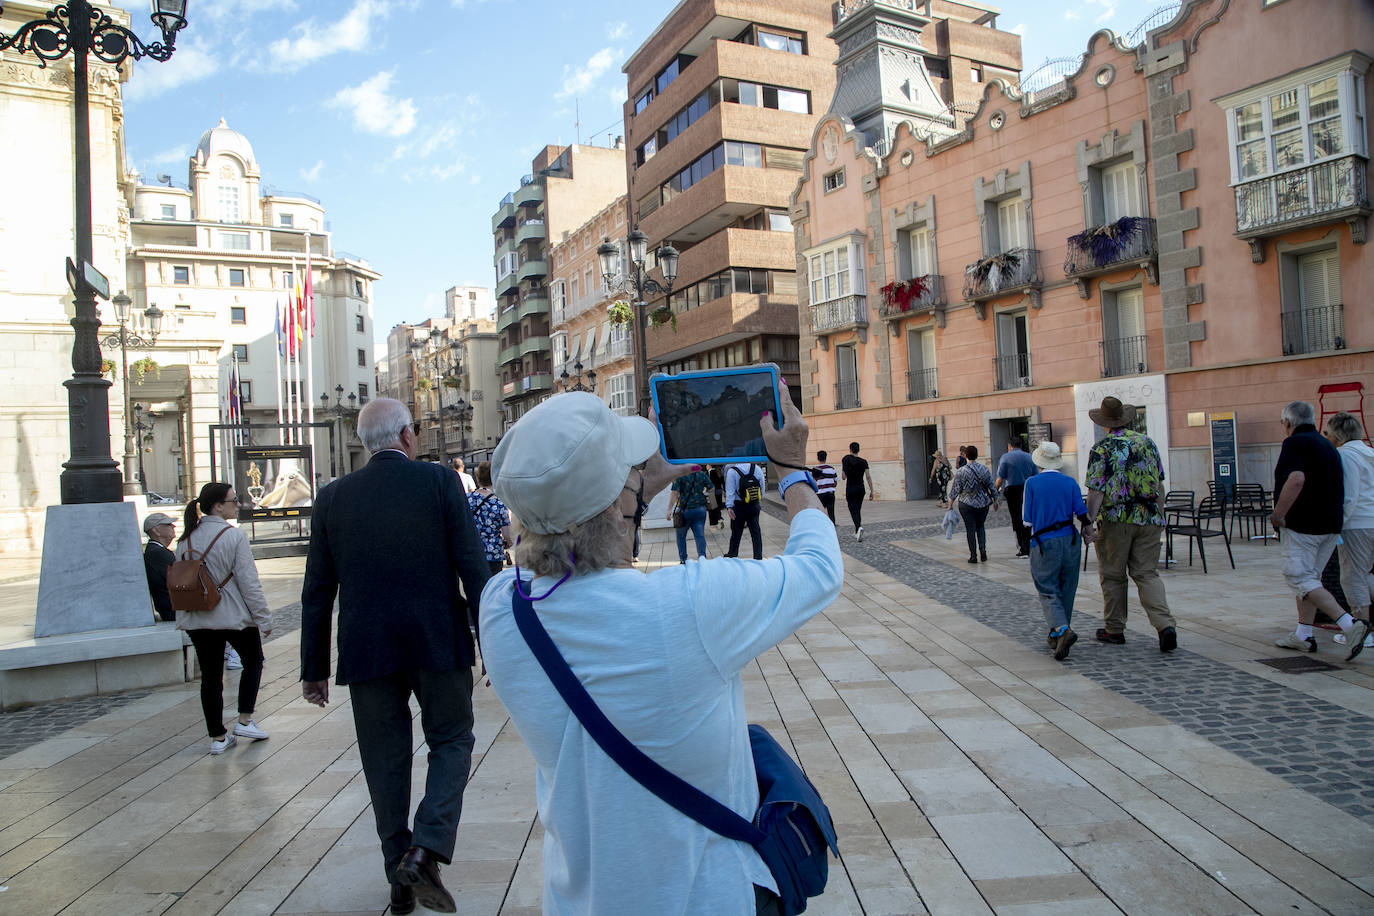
x,y
1173,223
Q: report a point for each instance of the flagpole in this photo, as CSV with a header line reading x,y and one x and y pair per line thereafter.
x,y
276,363
309,307
293,355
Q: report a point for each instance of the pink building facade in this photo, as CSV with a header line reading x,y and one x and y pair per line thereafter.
x,y
1174,224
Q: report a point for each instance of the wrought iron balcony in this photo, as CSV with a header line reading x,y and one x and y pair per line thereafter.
x,y
999,274
839,314
1310,196
847,394
1314,330
1013,371
912,297
1123,356
1130,241
920,385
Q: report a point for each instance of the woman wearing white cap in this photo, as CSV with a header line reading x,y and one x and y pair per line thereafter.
x,y
659,653
1051,503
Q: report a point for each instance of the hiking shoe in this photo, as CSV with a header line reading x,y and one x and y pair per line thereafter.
x,y
222,743
251,730
1293,641
1356,639
1116,639
859,535
232,662
1063,643
1168,639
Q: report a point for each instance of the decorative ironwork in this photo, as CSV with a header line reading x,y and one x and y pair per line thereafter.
x,y
1303,195
844,312
1123,356
51,38
1013,371
1001,273
1314,330
1130,239
930,297
920,385
847,394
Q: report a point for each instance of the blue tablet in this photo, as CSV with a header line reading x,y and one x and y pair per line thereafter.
x,y
712,416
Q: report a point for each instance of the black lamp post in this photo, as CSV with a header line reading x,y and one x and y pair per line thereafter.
x,y
91,474
124,340
638,281
139,429
574,382
340,413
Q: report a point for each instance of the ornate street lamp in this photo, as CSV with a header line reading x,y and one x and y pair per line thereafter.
x,y
574,382
124,340
76,27
638,281
139,429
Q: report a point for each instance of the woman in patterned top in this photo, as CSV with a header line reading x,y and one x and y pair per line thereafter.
x,y
973,488
690,493
492,519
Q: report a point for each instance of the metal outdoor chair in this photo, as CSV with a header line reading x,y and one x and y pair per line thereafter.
x,y
1210,509
1252,508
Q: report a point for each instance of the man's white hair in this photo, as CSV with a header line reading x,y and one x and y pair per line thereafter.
x,y
380,423
1299,412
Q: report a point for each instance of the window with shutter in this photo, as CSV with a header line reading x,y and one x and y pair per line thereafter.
x,y
1319,280
1120,192
1011,223
920,252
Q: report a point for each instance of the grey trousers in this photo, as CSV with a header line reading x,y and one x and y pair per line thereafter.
x,y
381,716
1357,553
1054,566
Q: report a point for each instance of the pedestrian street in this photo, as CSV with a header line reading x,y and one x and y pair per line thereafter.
x,y
966,770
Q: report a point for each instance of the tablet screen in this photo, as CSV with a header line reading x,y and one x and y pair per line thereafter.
x,y
711,417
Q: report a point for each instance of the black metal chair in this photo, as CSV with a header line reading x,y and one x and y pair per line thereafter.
x,y
1211,509
1252,508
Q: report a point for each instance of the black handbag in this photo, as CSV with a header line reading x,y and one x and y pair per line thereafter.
x,y
679,520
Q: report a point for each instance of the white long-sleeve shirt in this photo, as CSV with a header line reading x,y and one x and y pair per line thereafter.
x,y
661,654
733,473
1357,466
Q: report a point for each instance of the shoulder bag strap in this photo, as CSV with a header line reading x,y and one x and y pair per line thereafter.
x,y
669,788
205,554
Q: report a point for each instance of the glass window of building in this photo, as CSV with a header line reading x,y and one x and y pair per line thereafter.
x,y
229,203
236,276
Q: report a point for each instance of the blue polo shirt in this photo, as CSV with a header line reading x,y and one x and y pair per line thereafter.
x,y
1050,498
1016,468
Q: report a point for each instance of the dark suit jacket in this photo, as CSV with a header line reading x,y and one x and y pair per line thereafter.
x,y
156,561
392,539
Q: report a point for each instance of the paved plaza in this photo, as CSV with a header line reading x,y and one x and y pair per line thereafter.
x,y
967,771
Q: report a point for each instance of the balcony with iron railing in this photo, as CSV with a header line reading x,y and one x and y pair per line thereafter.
x,y
1012,371
1123,356
1127,242
1314,330
505,213
920,385
1002,273
847,394
842,314
1313,195
911,297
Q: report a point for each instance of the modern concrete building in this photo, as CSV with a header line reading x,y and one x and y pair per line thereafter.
x,y
444,371
469,303
587,344
1169,222
567,186
722,100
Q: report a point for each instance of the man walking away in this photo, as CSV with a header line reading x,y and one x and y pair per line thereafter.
x,y
1125,485
825,484
461,470
856,473
1052,502
1015,468
744,500
1309,501
392,540
157,559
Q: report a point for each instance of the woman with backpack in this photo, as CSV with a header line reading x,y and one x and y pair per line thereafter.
x,y
240,617
973,489
492,519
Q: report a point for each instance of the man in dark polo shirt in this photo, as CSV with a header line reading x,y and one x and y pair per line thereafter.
x,y
1309,496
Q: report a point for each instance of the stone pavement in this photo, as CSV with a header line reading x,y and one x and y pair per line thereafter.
x,y
966,770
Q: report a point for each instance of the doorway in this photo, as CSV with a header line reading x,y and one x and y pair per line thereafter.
x,y
1000,432
918,444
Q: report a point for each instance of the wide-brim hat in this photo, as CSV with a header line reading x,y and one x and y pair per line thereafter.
x,y
1112,414
1048,456
566,461
157,518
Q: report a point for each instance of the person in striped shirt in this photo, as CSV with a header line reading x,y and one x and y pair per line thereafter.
x,y
825,484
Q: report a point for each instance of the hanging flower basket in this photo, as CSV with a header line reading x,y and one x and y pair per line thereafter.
x,y
451,381
902,295
140,368
1112,242
620,312
424,384
663,315
107,367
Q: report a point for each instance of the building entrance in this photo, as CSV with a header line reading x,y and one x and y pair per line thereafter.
x,y
1000,432
918,444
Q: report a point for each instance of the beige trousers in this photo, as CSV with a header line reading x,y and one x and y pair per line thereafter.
x,y
1132,550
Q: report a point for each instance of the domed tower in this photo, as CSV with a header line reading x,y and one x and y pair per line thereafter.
x,y
224,177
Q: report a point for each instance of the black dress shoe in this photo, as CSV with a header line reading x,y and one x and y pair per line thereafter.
x,y
1168,639
419,870
402,899
1116,639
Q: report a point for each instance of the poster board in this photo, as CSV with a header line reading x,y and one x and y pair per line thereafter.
x,y
1225,457
1037,433
274,481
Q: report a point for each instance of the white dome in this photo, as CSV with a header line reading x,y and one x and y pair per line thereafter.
x,y
223,139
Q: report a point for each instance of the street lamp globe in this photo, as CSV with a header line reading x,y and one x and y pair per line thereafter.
x,y
667,259
121,306
607,254
639,244
154,316
324,400
170,15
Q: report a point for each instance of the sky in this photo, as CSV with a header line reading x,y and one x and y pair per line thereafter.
x,y
411,119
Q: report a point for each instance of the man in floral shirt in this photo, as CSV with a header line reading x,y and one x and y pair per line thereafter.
x,y
1126,498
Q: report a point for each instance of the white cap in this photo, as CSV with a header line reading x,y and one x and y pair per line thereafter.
x,y
566,461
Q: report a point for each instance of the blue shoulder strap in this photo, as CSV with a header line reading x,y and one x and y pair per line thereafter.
x,y
671,789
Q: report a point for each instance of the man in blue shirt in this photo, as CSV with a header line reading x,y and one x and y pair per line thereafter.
x,y
1013,471
1052,502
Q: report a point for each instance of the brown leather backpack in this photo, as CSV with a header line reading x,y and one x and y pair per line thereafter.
x,y
190,584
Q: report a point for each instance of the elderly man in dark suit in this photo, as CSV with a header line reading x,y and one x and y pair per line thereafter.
x,y
157,559
392,540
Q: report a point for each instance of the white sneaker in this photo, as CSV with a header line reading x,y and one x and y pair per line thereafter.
x,y
232,662
220,745
859,535
251,730
1368,640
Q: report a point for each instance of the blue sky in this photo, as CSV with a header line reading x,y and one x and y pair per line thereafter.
x,y
410,119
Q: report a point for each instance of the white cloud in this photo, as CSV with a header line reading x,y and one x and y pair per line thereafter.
x,y
374,110
314,41
1071,15
444,172
191,62
1019,29
237,11
579,80
617,30
1107,13
173,156
313,173
617,95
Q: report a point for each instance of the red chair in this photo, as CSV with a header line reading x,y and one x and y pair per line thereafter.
x,y
1355,388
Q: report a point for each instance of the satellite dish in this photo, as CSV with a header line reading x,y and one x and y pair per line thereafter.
x,y
165,179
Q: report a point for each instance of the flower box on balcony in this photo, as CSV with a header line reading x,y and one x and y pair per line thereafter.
x,y
1003,273
916,296
1129,241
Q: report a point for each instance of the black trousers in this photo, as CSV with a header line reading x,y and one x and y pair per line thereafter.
x,y
209,645
746,516
381,716
973,527
828,500
855,499
1014,497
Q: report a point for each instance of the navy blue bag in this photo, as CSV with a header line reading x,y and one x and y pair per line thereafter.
x,y
791,830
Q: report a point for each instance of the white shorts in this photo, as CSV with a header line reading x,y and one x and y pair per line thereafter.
x,y
1304,558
